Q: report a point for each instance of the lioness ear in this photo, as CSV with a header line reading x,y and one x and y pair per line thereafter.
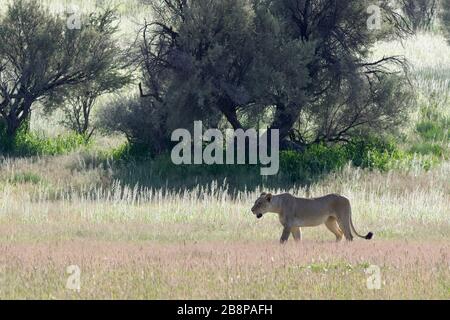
x,y
263,194
269,197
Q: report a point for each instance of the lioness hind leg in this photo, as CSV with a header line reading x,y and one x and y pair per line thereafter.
x,y
344,224
297,234
333,226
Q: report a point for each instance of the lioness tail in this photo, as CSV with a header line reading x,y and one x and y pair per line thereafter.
x,y
369,236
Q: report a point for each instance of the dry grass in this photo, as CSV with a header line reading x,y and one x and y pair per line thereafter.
x,y
133,242
242,270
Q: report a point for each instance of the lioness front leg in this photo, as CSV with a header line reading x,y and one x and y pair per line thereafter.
x,y
285,235
297,234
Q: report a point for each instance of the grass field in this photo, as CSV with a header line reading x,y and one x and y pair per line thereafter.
x,y
132,241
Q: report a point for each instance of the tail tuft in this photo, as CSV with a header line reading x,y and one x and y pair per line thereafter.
x,y
369,236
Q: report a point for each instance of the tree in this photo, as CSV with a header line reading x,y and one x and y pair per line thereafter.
x,y
420,13
140,120
306,61
79,100
200,52
344,80
40,57
218,56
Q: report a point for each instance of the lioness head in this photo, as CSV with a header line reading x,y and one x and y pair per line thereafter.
x,y
262,205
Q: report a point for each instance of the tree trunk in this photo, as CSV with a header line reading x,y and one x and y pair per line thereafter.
x,y
285,118
15,120
228,108
284,121
12,125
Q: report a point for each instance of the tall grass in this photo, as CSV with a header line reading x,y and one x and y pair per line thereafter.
x,y
67,188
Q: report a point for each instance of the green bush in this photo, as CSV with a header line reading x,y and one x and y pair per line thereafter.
x,y
371,153
128,151
295,167
31,143
315,160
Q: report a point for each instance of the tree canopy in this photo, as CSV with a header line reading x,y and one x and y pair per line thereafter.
x,y
306,62
40,57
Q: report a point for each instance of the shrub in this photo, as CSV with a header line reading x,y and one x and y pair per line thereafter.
x,y
144,124
128,151
31,143
315,160
295,167
371,153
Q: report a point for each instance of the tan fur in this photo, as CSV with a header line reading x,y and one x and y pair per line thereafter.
x,y
334,211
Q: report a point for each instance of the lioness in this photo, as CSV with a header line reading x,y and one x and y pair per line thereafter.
x,y
332,210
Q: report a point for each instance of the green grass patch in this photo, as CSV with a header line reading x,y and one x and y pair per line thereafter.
x,y
428,148
25,177
433,125
32,143
431,133
430,130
